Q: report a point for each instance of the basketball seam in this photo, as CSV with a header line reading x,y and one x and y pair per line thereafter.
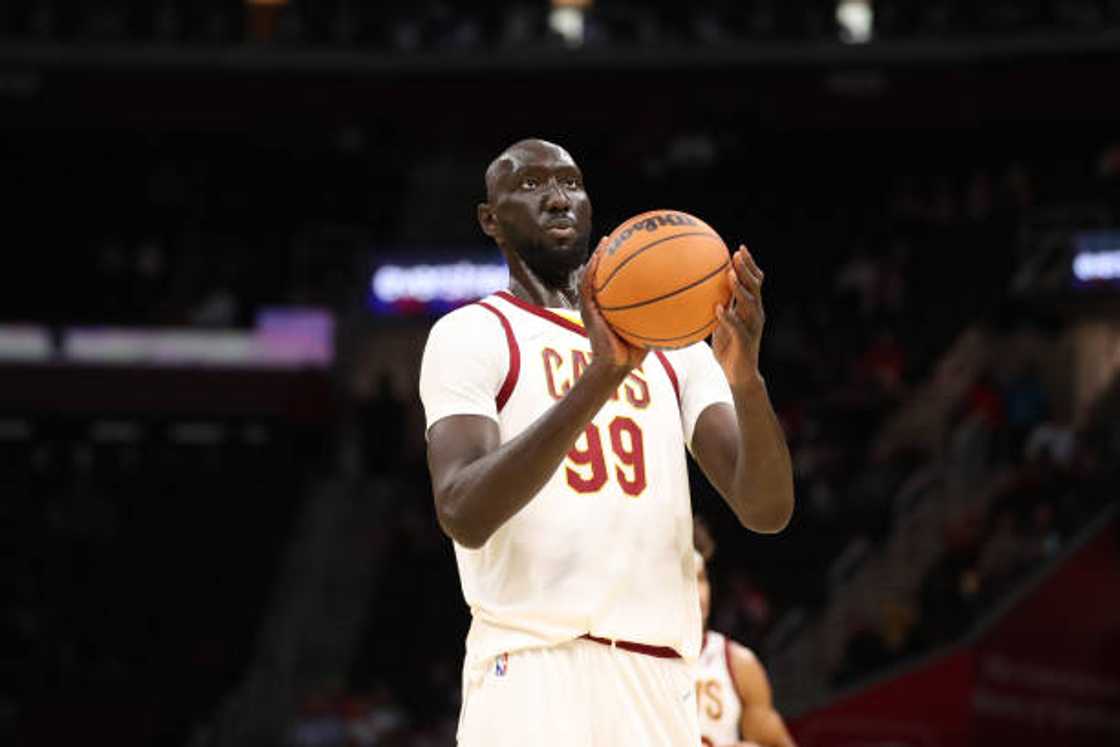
x,y
666,339
639,250
670,294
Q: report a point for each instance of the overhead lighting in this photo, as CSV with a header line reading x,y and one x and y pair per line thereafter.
x,y
856,19
567,20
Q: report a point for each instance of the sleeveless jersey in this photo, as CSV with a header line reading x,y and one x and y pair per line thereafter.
x,y
605,547
716,694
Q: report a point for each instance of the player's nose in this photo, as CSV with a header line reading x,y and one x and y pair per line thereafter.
x,y
555,198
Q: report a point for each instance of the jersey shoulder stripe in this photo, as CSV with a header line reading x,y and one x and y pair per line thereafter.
x,y
514,370
672,374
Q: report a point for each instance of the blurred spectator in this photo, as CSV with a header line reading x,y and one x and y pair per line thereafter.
x,y
1004,554
884,363
1052,442
859,276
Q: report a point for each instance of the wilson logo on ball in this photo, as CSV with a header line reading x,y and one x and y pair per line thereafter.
x,y
652,223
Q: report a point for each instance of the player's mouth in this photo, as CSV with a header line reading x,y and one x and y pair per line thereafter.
x,y
561,229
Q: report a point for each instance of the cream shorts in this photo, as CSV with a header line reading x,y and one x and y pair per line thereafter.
x,y
580,693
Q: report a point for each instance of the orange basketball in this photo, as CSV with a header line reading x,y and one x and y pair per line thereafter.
x,y
660,277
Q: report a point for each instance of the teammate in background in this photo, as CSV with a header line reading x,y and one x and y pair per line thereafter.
x,y
732,689
557,457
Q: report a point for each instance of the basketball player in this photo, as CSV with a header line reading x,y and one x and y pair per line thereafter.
x,y
557,458
732,689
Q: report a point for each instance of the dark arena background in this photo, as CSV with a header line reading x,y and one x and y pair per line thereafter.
x,y
227,228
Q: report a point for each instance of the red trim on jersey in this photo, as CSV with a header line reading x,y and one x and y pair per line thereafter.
x,y
704,643
727,663
661,652
514,358
543,313
571,326
672,374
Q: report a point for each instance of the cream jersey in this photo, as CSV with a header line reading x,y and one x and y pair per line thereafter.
x,y
605,547
716,694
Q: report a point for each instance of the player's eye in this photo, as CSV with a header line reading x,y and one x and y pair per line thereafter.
x,y
572,183
530,183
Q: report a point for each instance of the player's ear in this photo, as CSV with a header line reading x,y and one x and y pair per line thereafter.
x,y
487,221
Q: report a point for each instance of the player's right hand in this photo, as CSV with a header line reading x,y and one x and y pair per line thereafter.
x,y
606,347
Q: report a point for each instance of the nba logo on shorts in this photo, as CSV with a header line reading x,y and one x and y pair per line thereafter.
x,y
501,665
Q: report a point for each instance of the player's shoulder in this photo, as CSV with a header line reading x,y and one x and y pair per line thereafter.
x,y
741,654
471,313
713,640
747,670
468,322
733,651
470,331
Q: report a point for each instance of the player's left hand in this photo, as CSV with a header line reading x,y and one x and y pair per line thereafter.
x,y
738,333
606,346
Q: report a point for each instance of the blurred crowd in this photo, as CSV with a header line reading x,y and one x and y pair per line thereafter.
x,y
438,24
138,557
1001,493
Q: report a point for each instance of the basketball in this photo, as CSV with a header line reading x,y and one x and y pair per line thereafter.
x,y
660,277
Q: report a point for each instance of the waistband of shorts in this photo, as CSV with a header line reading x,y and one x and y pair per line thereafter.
x,y
661,652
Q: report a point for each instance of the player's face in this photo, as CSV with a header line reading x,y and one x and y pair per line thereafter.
x,y
543,212
705,592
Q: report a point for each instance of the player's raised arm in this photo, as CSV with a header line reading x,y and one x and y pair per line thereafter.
x,y
742,450
479,484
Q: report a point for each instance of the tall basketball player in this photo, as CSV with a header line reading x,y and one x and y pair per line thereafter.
x,y
732,689
557,457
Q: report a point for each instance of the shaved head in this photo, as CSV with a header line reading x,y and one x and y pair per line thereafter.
x,y
538,212
516,156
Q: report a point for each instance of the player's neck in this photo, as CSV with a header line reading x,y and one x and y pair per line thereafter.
x,y
524,284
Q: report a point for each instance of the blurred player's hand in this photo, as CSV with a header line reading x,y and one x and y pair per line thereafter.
x,y
606,346
738,334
